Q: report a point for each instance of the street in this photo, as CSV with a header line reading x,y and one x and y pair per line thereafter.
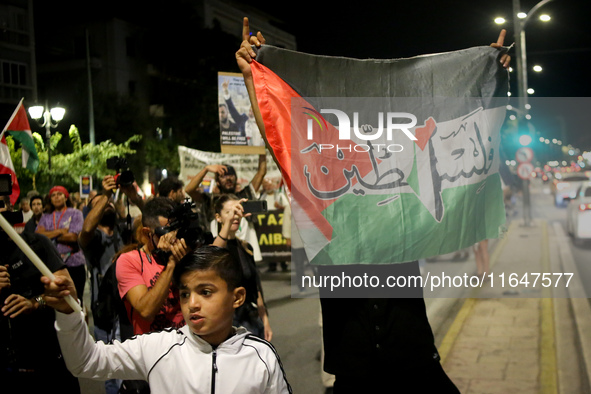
x,y
295,321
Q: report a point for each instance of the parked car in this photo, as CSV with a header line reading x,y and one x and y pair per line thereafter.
x,y
565,187
578,214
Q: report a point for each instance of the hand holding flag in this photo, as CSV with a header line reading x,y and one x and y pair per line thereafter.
x,y
505,59
245,55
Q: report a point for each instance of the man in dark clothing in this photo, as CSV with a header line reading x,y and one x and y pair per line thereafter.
x,y
225,123
100,239
227,182
172,188
37,208
30,356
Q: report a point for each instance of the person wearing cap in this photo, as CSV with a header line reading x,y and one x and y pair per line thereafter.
x,y
226,181
62,225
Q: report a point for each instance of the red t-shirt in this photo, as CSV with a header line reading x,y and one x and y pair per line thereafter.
x,y
136,268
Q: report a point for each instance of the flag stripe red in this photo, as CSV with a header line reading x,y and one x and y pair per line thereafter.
x,y
274,98
6,167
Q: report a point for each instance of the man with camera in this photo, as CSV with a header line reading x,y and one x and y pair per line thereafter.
x,y
100,238
144,280
226,181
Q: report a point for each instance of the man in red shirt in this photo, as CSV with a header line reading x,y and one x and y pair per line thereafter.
x,y
144,283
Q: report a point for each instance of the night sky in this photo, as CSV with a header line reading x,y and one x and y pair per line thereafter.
x,y
370,29
395,29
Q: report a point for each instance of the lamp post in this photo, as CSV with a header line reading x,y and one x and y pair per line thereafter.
x,y
48,118
520,20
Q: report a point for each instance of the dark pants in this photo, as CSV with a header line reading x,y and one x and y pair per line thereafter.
x,y
381,344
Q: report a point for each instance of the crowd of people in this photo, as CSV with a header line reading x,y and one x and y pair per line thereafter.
x,y
194,288
132,267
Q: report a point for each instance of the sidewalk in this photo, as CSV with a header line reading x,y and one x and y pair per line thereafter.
x,y
517,339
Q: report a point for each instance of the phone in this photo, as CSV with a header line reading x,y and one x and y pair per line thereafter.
x,y
5,184
254,206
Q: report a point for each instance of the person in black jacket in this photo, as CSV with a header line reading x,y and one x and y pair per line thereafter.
x,y
30,355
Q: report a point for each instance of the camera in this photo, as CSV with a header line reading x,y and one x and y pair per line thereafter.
x,y
183,219
124,176
6,190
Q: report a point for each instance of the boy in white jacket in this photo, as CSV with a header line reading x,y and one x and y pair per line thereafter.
x,y
207,355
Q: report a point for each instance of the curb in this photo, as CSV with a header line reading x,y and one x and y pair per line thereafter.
x,y
548,361
578,299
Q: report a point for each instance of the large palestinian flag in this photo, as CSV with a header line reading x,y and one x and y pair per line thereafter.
x,y
387,160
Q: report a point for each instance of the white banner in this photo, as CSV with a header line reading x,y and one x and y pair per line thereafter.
x,y
193,161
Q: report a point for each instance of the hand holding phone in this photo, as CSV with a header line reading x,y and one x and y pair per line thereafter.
x,y
254,206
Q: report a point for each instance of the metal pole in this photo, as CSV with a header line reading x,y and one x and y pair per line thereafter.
x,y
520,51
522,95
90,102
47,121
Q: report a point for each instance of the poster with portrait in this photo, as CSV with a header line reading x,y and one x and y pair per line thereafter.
x,y
238,129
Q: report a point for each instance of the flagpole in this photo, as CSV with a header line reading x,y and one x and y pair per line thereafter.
x,y
20,242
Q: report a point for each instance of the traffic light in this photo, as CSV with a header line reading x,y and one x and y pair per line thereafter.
x,y
525,139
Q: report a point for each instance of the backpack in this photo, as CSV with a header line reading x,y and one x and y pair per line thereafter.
x,y
108,308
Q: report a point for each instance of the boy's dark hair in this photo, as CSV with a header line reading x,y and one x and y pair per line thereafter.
x,y
210,257
158,206
221,200
168,185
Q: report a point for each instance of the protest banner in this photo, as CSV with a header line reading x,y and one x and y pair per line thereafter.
x,y
194,160
238,129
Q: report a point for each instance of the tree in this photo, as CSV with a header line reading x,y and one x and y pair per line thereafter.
x,y
66,168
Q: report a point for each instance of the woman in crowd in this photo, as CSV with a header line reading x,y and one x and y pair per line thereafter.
x,y
253,313
62,225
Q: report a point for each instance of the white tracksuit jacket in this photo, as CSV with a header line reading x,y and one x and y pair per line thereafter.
x,y
174,361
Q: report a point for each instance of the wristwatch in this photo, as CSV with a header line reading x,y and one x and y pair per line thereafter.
x,y
41,301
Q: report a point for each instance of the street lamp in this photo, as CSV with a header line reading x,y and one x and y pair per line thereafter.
x,y
519,25
51,118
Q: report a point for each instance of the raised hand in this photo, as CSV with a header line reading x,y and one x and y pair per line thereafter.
x,y
505,59
245,55
109,184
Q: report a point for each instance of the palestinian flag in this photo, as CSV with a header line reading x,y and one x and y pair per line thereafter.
x,y
386,160
6,167
18,127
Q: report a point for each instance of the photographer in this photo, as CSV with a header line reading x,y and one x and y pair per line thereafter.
x,y
144,283
253,313
29,352
100,240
